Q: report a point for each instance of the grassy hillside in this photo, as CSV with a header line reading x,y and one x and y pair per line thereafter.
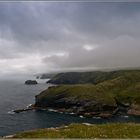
x,y
119,130
90,77
121,88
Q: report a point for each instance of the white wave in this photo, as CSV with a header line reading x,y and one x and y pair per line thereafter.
x,y
52,110
11,112
88,124
61,112
96,117
125,116
29,105
81,116
72,113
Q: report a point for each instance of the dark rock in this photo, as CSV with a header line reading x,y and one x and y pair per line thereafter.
x,y
134,110
80,109
22,110
37,77
115,111
31,82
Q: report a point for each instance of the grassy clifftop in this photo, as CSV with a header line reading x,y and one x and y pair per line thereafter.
x,y
84,131
90,77
122,88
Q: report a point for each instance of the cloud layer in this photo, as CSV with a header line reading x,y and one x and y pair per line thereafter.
x,y
40,37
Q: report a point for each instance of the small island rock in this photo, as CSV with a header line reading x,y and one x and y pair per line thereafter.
x,y
31,82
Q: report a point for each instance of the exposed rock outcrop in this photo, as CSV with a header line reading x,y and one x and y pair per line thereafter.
x,y
31,82
66,102
134,110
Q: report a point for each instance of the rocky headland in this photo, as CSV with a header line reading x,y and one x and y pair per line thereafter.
x,y
111,93
106,93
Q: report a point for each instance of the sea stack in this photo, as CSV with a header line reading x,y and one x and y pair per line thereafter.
x,y
31,82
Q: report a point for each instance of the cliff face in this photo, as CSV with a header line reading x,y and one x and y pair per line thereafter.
x,y
76,99
87,107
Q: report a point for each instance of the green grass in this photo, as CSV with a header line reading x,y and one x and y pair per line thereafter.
x,y
94,77
79,92
117,130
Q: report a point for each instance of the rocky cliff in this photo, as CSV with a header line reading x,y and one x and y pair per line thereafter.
x,y
119,95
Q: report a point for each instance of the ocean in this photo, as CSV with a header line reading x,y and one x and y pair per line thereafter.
x,y
14,94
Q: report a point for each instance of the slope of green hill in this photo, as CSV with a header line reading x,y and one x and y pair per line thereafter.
x,y
91,77
118,130
119,93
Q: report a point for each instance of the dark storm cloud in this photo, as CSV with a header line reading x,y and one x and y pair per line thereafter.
x,y
68,35
107,19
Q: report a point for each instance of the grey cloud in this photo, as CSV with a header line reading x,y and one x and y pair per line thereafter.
x,y
44,28
121,52
107,19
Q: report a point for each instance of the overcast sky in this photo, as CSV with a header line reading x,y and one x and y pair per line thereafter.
x,y
38,37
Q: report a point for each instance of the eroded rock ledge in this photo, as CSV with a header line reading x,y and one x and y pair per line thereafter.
x,y
72,100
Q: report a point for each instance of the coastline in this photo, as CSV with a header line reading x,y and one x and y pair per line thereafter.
x,y
65,111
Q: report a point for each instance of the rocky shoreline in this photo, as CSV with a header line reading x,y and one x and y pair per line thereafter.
x,y
105,115
132,110
85,108
28,108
